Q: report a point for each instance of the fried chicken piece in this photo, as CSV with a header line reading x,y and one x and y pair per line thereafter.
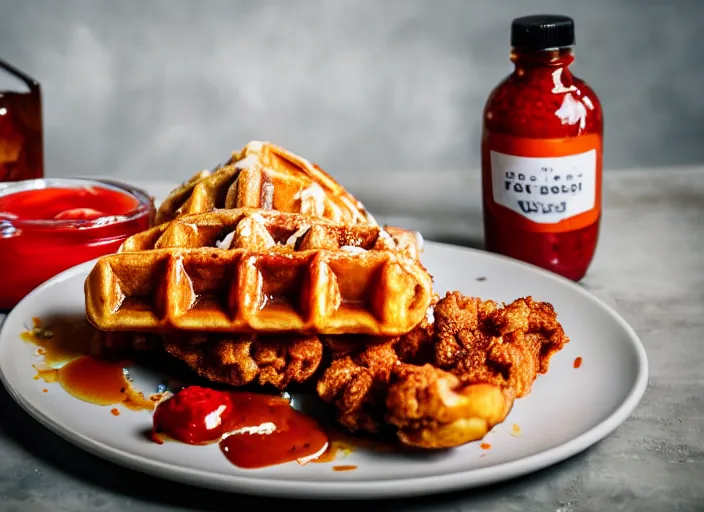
x,y
433,409
480,341
355,383
417,346
238,360
452,378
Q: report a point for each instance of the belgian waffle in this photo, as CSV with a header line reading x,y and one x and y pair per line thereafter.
x,y
268,177
269,230
248,271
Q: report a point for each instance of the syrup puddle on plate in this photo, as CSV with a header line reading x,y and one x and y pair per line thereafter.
x,y
66,352
64,349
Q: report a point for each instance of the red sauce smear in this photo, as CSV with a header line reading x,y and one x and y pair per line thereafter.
x,y
485,446
253,430
577,362
349,467
44,251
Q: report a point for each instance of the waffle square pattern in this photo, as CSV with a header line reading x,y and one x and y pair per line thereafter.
x,y
265,176
253,270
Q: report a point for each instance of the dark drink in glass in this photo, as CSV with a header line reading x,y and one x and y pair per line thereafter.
x,y
21,144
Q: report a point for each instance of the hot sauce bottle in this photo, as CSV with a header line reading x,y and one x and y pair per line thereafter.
x,y
542,153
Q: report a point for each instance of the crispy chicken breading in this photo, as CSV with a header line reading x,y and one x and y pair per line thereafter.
x,y
357,380
355,383
238,360
445,383
450,380
481,341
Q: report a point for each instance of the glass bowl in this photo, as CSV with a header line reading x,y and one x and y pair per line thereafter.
x,y
52,224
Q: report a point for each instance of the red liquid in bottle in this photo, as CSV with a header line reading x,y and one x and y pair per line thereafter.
x,y
542,154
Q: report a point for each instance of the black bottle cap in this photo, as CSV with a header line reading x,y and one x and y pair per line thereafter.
x,y
542,32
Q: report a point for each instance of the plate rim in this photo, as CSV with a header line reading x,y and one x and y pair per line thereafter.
x,y
383,489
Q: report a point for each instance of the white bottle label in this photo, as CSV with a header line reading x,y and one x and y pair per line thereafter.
x,y
545,190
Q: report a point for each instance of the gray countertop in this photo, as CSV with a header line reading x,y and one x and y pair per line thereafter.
x,y
649,266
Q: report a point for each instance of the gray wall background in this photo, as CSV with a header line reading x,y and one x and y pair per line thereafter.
x,y
161,89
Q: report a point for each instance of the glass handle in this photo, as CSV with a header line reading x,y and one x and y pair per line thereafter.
x,y
31,82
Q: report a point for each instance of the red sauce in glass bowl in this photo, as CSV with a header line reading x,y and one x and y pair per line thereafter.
x,y
50,225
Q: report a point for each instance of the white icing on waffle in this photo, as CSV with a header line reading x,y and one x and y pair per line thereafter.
x,y
256,146
353,249
430,315
258,218
312,199
291,242
226,242
247,163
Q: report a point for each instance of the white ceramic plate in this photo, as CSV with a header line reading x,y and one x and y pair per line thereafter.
x,y
568,410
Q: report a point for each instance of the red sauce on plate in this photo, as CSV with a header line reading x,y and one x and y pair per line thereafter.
x,y
253,430
348,467
44,231
577,362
